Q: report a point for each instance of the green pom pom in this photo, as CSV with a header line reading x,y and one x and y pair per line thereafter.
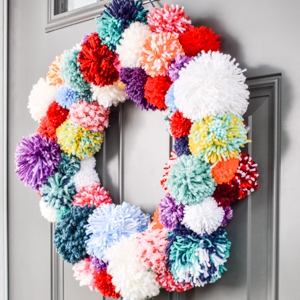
x,y
69,164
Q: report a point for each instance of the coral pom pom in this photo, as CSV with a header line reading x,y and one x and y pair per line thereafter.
x,y
85,273
224,170
167,282
167,167
56,114
53,75
103,283
156,89
196,40
179,125
156,220
45,129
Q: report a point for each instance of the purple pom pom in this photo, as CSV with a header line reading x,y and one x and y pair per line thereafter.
x,y
36,159
170,213
135,80
227,216
181,146
176,65
98,264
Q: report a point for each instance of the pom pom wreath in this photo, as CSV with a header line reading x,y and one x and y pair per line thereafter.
x,y
167,167
156,220
103,283
36,159
246,176
70,236
46,130
150,248
56,114
68,165
109,222
98,264
70,72
170,213
179,62
41,95
218,138
91,116
131,278
108,95
203,218
181,146
131,45
53,75
170,100
198,39
97,62
81,142
48,212
228,214
84,272
87,174
197,259
167,282
58,191
211,84
135,80
92,195
169,19
179,125
224,170
156,89
65,96
226,194
158,52
190,180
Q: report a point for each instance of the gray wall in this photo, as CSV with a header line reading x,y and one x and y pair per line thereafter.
x,y
264,37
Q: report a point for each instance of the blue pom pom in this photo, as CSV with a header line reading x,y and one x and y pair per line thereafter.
x,y
69,164
181,146
170,99
65,96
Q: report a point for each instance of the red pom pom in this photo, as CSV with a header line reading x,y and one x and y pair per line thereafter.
x,y
97,62
197,39
104,285
166,280
56,114
47,130
226,194
156,89
179,125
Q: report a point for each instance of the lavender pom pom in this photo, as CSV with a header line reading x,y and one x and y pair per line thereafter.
x,y
170,213
135,79
36,159
176,65
98,264
181,146
170,99
227,216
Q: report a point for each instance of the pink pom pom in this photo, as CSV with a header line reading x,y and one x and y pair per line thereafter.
x,y
166,281
167,167
92,195
85,272
91,116
151,247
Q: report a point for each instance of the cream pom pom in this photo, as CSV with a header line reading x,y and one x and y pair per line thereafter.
x,y
41,95
131,44
48,212
109,95
211,84
131,279
203,218
88,163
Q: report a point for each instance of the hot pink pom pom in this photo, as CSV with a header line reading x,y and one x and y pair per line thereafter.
x,y
167,167
91,116
92,195
169,19
166,281
85,272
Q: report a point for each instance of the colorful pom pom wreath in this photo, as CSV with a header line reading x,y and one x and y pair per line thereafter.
x,y
160,61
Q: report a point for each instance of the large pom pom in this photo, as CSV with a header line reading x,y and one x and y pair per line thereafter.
x,y
65,96
46,130
167,282
131,278
103,282
69,164
96,62
36,159
109,95
211,84
169,19
92,195
157,53
41,95
170,213
218,138
53,75
81,142
126,220
48,212
84,272
224,170
176,65
167,167
179,125
131,44
156,89
181,146
99,264
203,218
226,194
56,114
91,116
190,180
196,40
70,236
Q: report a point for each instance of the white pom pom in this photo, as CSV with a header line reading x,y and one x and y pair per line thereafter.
x,y
131,44
88,163
131,279
41,96
48,212
203,218
211,84
108,95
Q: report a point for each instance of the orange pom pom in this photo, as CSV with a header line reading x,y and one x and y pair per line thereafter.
x,y
155,220
224,170
53,75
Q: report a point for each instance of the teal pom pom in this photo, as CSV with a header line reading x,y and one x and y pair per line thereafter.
x,y
190,180
70,71
61,213
68,165
59,191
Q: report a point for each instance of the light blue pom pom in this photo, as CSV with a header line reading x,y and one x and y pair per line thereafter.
x,y
170,99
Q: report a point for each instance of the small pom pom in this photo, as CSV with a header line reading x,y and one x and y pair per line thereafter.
x,y
65,96
176,65
85,273
68,165
224,170
226,194
170,99
181,146
98,264
48,212
167,282
156,220
103,283
56,114
227,216
46,130
167,167
53,75
179,125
